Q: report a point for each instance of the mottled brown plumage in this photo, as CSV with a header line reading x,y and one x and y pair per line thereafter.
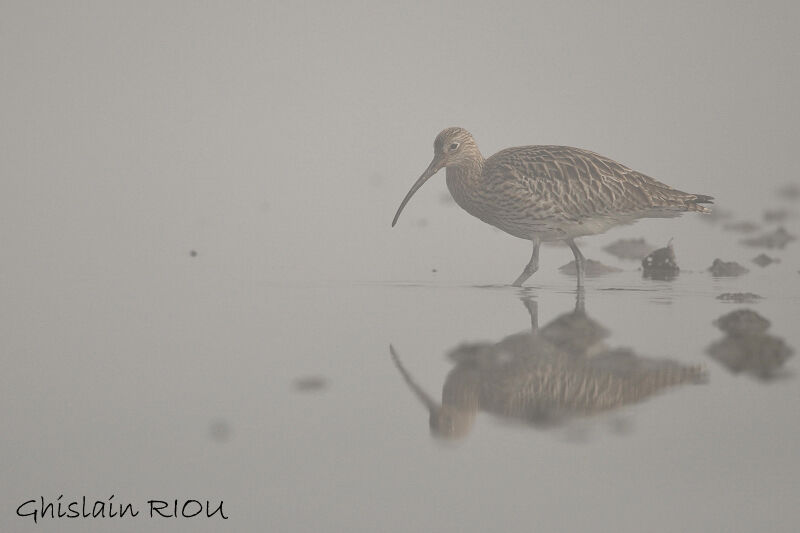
x,y
549,193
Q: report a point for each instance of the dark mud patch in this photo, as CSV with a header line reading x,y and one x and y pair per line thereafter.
x,y
661,264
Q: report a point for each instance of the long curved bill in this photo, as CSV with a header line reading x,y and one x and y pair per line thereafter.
x,y
429,402
433,168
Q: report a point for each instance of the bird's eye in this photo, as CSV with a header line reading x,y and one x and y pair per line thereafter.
x,y
454,146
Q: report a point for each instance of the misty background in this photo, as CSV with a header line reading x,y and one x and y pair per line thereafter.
x,y
276,141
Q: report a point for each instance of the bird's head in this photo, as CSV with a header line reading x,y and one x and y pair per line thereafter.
x,y
453,147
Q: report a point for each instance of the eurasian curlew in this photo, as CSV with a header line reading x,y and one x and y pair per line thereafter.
x,y
549,193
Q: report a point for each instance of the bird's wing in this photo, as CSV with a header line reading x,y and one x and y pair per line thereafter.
x,y
579,184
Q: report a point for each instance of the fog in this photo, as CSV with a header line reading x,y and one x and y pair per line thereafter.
x,y
196,206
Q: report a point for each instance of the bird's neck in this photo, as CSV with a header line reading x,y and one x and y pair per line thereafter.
x,y
463,180
467,170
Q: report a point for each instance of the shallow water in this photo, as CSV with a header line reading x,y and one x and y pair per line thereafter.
x,y
191,391
191,376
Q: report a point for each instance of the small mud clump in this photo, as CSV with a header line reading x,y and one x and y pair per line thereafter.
x,y
220,430
790,191
633,249
310,384
774,239
720,268
740,297
763,260
777,215
593,268
661,265
741,227
747,347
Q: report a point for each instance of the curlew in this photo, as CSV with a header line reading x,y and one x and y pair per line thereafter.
x,y
549,193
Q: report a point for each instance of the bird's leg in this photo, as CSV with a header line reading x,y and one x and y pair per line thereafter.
x,y
531,267
580,261
533,310
580,300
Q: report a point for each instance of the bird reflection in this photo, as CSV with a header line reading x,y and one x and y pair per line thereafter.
x,y
545,376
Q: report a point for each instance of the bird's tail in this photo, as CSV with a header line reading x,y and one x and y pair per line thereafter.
x,y
693,201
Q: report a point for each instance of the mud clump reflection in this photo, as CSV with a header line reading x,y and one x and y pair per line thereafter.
x,y
742,322
747,347
661,265
545,377
720,268
739,297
